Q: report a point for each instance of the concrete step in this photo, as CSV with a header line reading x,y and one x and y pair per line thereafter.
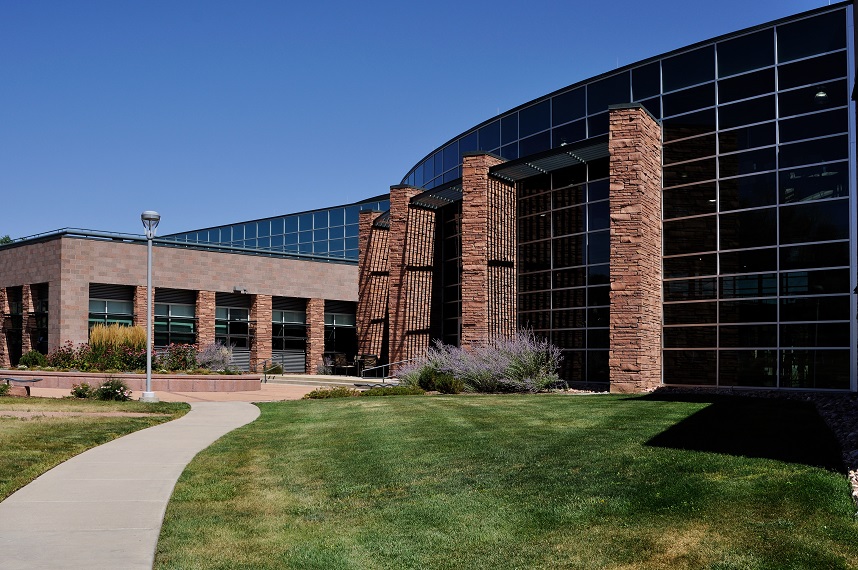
x,y
325,381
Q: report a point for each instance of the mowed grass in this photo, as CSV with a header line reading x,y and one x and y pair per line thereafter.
x,y
31,446
546,481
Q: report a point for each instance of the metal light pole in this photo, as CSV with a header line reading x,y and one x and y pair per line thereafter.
x,y
150,221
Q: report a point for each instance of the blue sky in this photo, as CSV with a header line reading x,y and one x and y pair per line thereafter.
x,y
214,112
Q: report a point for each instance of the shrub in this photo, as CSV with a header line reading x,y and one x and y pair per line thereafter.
x,y
448,384
178,357
335,392
326,368
33,359
4,389
63,357
113,390
82,390
215,356
393,391
275,369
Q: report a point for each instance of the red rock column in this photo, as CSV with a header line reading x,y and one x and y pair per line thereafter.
x,y
412,255
373,283
315,335
140,308
4,324
636,279
27,320
205,313
260,343
488,252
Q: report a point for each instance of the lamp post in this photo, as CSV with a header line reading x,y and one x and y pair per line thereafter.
x,y
150,221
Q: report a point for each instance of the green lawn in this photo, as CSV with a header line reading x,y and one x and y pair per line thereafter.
x,y
546,481
30,446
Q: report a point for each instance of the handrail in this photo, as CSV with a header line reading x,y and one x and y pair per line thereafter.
x,y
382,366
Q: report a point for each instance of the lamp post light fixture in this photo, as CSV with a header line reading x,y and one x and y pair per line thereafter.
x,y
150,221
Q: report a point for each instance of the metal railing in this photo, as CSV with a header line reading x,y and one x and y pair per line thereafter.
x,y
383,377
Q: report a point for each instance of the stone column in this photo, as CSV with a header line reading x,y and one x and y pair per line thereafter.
x,y
27,319
635,262
373,283
260,315
140,308
488,252
4,324
315,335
205,314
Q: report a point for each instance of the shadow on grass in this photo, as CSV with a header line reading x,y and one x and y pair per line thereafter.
x,y
785,430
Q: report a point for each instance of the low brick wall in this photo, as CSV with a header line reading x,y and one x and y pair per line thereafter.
x,y
137,382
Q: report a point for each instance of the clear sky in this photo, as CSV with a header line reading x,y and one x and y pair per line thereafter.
x,y
214,112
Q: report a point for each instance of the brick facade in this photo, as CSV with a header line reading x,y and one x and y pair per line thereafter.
x,y
260,317
373,285
488,252
315,335
635,262
205,314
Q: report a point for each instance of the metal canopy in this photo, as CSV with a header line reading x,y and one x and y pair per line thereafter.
x,y
436,198
383,221
546,162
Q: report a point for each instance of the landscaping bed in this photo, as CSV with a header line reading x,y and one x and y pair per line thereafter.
x,y
171,382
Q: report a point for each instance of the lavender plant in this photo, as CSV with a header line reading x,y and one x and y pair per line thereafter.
x,y
215,356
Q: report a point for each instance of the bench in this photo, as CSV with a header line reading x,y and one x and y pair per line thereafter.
x,y
27,382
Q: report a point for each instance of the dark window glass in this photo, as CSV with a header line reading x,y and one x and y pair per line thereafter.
x,y
534,204
746,86
819,150
534,119
815,282
690,266
598,338
509,128
534,281
746,52
813,98
815,369
815,183
598,317
570,133
748,367
689,149
534,228
439,162
429,169
598,125
810,36
598,215
815,308
598,274
598,190
567,221
813,70
535,256
574,319
451,155
568,196
569,176
646,81
598,247
568,339
536,321
452,175
569,251
469,143
305,222
689,337
688,68
749,311
689,200
536,301
747,137
597,366
749,261
568,106
416,177
570,277
598,296
817,255
748,192
696,367
689,235
760,285
690,313
534,144
653,106
689,100
690,289
815,334
568,298
510,151
689,172
689,125
608,91
490,136
752,228
537,185
816,125
747,162
752,111
748,336
291,224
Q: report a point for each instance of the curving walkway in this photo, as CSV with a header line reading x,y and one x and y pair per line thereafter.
x,y
103,508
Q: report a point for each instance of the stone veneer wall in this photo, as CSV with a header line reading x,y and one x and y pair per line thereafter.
x,y
488,252
205,314
315,334
28,322
261,342
4,322
635,262
373,285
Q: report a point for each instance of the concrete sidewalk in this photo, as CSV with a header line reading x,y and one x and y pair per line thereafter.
x,y
103,509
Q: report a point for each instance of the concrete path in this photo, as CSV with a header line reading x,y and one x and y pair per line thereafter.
x,y
103,509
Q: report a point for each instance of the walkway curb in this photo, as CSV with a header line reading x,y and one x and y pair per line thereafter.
x,y
103,509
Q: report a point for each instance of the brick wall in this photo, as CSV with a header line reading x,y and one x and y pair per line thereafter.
x,y
260,315
488,252
315,334
635,262
205,314
373,283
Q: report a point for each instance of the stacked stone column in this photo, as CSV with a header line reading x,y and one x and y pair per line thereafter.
x,y
27,319
260,315
205,313
4,323
315,335
373,284
635,264
140,307
488,252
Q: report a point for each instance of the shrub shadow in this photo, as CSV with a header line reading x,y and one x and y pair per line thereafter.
x,y
770,428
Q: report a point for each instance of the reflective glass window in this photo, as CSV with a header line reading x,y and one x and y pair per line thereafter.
x,y
598,274
451,155
815,255
646,81
814,98
510,151
570,277
690,313
697,123
569,298
469,143
566,221
752,228
820,34
429,169
263,229
748,311
535,144
689,172
815,308
653,106
748,368
250,230
819,150
597,125
688,100
691,367
745,112
509,128
749,261
815,70
535,228
690,289
815,183
820,282
598,247
352,215
569,133
690,235
597,190
608,91
490,136
690,337
747,162
757,285
598,215
535,256
815,369
689,149
748,336
305,222
815,125
291,224
690,266
747,137
688,68
815,334
320,219
746,53
534,119
746,86
568,106
438,159
748,192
